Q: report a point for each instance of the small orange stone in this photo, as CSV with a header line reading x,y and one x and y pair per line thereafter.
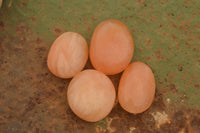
x,y
68,55
91,95
111,47
136,88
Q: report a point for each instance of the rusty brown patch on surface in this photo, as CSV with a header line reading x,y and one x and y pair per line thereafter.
x,y
57,31
140,50
158,103
180,67
38,40
33,19
126,19
40,50
148,58
174,37
169,47
94,18
195,122
89,28
2,25
133,32
152,19
31,104
195,49
148,41
159,55
21,29
126,122
187,44
1,48
197,85
164,34
173,88
22,4
186,121
22,40
171,75
160,25
115,125
74,27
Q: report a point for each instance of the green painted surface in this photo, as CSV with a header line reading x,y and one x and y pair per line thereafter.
x,y
166,36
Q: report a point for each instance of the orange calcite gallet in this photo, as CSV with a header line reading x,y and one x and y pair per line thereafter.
x,y
136,88
111,47
68,55
91,95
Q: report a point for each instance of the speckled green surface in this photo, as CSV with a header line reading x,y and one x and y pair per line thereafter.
x,y
166,35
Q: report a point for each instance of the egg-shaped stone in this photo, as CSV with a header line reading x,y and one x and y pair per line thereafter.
x,y
136,88
91,95
111,47
67,55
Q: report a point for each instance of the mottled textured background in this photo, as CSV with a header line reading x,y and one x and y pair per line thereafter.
x,y
166,34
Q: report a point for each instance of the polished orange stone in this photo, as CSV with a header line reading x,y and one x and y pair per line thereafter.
x,y
111,47
68,55
136,88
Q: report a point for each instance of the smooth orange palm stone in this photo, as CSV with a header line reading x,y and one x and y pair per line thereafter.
x,y
111,47
136,88
91,95
68,55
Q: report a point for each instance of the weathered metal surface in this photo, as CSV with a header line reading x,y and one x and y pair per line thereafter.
x,y
166,34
